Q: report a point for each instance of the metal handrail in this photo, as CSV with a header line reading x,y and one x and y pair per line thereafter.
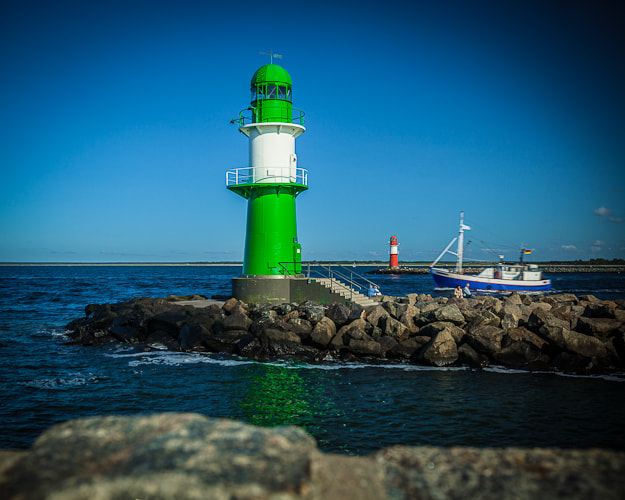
x,y
354,280
251,175
246,116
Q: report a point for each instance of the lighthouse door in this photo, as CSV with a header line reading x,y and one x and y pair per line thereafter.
x,y
293,168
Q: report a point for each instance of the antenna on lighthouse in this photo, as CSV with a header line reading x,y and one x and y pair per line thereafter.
x,y
272,55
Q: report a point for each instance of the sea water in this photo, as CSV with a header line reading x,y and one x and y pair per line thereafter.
x,y
350,408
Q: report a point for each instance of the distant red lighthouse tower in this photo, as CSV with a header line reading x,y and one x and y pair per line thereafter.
x,y
394,262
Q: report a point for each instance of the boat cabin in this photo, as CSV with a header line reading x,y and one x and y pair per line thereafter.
x,y
512,272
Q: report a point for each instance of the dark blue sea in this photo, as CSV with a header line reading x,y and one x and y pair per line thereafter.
x,y
348,408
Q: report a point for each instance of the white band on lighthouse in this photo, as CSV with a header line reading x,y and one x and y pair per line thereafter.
x,y
272,150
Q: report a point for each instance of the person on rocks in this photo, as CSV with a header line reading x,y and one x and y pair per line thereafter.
x,y
373,290
466,293
457,293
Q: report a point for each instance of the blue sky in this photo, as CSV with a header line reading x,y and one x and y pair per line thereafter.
x,y
116,135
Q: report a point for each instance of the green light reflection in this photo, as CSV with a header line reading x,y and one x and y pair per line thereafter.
x,y
282,395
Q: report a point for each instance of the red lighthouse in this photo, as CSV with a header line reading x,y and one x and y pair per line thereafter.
x,y
394,262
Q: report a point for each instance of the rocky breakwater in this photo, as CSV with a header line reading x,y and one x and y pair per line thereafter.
x,y
189,456
563,332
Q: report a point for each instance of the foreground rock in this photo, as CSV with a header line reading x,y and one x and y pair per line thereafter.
x,y
563,332
188,456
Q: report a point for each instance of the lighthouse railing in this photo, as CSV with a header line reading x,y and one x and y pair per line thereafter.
x,y
335,272
266,174
247,116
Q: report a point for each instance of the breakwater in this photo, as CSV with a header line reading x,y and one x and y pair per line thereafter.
x,y
547,268
583,335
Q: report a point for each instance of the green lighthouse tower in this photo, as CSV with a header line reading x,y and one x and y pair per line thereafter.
x,y
272,180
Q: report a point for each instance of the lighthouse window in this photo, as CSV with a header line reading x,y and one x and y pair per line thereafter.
x,y
271,91
281,92
288,93
258,93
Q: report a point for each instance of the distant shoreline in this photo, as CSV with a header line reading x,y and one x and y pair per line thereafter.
x,y
133,264
382,267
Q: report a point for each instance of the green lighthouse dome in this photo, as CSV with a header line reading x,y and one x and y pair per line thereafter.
x,y
271,94
271,73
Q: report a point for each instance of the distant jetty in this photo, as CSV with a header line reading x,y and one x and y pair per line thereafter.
x,y
475,270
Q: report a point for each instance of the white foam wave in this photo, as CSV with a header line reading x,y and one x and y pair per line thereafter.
x,y
58,383
513,371
342,365
172,358
59,333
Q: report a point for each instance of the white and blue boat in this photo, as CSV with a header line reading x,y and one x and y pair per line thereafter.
x,y
501,277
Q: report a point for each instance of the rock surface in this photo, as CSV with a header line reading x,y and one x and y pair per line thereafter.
x,y
582,335
189,456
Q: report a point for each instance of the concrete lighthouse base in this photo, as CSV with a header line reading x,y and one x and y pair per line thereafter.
x,y
282,289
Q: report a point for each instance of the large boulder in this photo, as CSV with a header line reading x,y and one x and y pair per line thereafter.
x,y
447,312
564,299
509,322
365,347
565,313
311,311
441,350
338,313
493,305
513,299
599,327
522,334
510,315
163,456
407,314
433,328
302,327
124,331
431,473
485,339
323,332
540,319
355,331
484,318
275,336
236,321
375,314
408,348
469,356
521,354
235,306
103,316
394,328
577,343
386,344
193,336
391,307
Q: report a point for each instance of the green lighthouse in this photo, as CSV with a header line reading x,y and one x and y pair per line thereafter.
x,y
272,180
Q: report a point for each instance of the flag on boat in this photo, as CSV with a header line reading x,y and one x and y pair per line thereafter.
x,y
527,252
465,227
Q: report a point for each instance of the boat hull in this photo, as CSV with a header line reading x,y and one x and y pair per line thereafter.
x,y
445,279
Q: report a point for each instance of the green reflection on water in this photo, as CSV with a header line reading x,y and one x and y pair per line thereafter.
x,y
275,395
287,395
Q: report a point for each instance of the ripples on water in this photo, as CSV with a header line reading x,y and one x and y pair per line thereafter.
x,y
349,408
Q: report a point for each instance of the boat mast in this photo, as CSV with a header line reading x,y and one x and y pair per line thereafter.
x,y
460,244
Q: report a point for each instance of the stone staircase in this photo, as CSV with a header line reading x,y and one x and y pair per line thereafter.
x,y
346,291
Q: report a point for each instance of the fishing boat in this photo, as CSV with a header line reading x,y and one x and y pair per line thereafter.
x,y
501,277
